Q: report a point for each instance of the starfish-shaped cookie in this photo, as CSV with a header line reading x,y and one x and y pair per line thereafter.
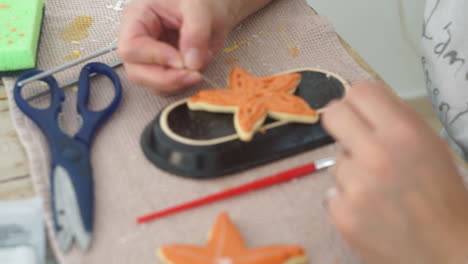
x,y
226,246
253,98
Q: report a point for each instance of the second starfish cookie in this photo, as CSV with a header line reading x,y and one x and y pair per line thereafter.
x,y
226,246
253,98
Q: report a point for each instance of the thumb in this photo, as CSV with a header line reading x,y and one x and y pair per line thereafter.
x,y
195,35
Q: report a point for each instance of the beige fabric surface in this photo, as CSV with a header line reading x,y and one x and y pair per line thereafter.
x,y
127,185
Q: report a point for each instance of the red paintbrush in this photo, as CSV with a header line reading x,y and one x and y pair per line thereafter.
x,y
290,174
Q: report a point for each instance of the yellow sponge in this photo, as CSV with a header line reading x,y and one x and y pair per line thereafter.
x,y
20,27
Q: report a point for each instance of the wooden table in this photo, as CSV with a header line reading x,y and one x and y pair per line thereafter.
x,y
15,182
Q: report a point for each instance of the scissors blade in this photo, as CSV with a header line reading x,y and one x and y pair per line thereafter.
x,y
67,212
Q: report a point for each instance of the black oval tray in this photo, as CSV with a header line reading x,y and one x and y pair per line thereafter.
x,y
191,158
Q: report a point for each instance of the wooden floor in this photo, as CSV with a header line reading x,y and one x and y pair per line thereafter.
x,y
14,174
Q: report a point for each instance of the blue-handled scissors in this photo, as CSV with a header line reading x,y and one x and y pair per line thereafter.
x,y
71,172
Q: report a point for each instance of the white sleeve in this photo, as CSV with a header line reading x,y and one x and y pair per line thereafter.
x,y
445,63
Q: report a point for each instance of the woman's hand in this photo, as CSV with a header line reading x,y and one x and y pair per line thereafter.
x,y
164,43
399,196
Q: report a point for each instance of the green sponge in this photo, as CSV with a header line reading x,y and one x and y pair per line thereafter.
x,y
20,27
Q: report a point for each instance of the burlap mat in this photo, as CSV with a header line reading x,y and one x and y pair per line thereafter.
x,y
285,35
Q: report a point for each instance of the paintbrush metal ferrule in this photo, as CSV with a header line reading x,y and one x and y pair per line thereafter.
x,y
324,163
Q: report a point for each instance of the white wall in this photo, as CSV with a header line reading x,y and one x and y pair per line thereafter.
x,y
372,28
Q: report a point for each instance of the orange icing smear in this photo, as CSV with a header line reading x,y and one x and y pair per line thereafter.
x,y
249,115
220,97
289,104
254,97
246,83
226,245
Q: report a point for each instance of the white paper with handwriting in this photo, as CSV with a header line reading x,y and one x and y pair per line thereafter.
x,y
445,63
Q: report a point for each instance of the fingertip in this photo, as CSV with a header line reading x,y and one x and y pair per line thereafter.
x,y
122,50
332,103
191,78
367,86
146,50
330,107
195,36
193,59
186,79
179,81
176,62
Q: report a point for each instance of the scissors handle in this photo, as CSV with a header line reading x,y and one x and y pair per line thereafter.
x,y
92,120
46,118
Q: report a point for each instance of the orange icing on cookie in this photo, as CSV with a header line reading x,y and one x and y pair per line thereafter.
x,y
226,246
252,98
